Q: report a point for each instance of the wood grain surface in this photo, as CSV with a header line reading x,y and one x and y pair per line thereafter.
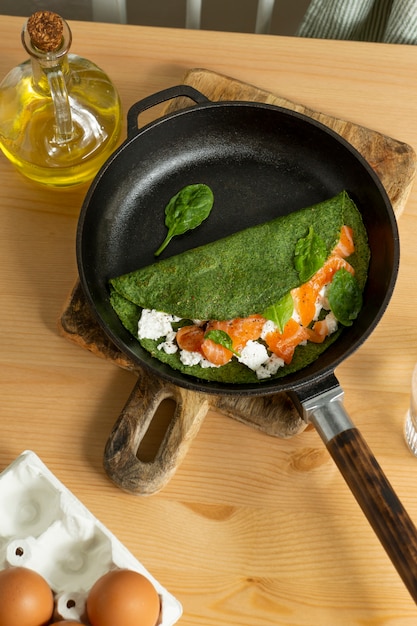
x,y
251,529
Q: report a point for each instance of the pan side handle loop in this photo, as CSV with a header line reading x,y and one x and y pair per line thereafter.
x,y
157,98
121,461
367,482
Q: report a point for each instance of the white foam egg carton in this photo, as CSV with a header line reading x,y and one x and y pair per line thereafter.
x,y
44,527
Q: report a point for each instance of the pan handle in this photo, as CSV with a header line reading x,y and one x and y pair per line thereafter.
x,y
157,98
365,478
122,461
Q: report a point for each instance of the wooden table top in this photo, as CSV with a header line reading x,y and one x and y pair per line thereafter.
x,y
252,529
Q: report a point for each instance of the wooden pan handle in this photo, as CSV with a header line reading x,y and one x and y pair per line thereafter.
x,y
121,461
365,478
378,501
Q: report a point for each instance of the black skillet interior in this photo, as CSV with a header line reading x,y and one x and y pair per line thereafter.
x,y
261,161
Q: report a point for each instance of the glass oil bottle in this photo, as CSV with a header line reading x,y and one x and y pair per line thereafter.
x,y
60,114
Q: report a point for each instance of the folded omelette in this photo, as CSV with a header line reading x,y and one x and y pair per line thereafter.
x,y
237,276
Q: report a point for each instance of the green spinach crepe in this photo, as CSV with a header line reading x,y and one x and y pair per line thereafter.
x,y
238,276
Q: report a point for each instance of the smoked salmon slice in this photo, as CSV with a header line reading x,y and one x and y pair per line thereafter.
x,y
304,298
283,344
190,338
244,329
215,352
345,246
320,331
325,274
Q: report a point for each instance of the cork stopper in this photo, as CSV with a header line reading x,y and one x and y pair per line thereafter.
x,y
45,30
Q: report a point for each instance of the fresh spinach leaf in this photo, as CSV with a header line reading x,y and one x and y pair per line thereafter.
x,y
310,254
280,312
186,210
345,297
222,338
182,322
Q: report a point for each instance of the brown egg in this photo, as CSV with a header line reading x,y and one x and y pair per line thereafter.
x,y
123,598
25,598
67,622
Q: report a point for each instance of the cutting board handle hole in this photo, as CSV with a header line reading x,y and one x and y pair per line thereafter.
x,y
159,426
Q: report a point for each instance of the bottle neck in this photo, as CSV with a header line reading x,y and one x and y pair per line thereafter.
x,y
41,72
50,69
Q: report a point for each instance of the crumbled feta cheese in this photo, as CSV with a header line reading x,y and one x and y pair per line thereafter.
x,y
190,358
155,324
269,367
194,358
318,304
295,316
332,324
253,355
169,346
268,327
322,302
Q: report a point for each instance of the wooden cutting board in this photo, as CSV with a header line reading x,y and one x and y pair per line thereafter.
x,y
395,164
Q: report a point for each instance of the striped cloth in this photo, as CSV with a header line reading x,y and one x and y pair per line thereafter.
x,y
389,21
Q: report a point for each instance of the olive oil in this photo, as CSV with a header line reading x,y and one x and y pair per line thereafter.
x,y
60,115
